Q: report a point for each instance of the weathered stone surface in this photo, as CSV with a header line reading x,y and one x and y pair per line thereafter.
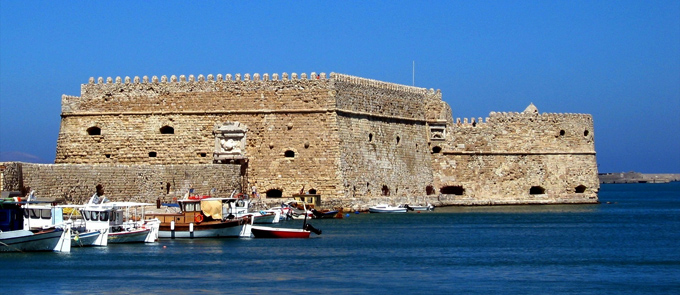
x,y
354,141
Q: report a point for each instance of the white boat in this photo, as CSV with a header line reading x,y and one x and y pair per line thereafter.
x,y
293,210
266,216
13,238
42,214
384,208
119,222
418,208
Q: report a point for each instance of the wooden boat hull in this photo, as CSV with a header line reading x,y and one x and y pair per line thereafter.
x,y
25,241
213,229
279,233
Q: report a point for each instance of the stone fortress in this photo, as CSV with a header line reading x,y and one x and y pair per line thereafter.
x,y
356,142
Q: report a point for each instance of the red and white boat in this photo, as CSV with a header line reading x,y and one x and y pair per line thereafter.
x,y
279,232
284,233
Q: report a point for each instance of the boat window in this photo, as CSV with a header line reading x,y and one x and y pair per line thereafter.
x,y
26,213
104,216
35,213
189,207
113,216
86,214
46,214
198,206
94,215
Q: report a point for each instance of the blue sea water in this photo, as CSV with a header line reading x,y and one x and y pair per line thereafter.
x,y
628,244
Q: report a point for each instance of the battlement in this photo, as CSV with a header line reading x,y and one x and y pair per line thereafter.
x,y
505,117
383,85
109,82
208,78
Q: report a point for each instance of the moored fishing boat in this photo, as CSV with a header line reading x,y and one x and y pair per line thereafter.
x,y
324,214
278,232
13,238
206,217
384,208
119,222
418,208
43,214
285,233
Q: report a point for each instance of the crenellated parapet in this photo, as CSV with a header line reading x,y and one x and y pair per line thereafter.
x,y
359,81
377,99
521,133
209,78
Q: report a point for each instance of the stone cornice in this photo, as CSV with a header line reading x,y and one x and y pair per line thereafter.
x,y
516,153
243,112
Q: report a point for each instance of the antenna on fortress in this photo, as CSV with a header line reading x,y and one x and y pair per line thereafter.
x,y
414,73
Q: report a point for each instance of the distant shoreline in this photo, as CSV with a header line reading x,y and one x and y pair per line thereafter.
x,y
637,177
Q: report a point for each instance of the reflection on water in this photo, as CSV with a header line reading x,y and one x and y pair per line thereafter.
x,y
627,246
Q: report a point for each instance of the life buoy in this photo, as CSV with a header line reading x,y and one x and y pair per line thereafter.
x,y
198,218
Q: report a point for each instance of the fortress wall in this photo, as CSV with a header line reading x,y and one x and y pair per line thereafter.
x,y
284,114
382,127
507,179
313,140
129,139
522,132
142,183
202,95
371,97
383,161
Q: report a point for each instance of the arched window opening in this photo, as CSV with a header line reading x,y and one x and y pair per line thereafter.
x,y
94,130
312,192
152,154
385,190
274,193
536,190
167,130
562,132
580,189
289,154
436,150
430,190
167,188
453,190
370,137
586,132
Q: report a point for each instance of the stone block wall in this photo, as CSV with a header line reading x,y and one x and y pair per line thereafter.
x,y
508,179
523,132
383,161
500,160
355,141
140,183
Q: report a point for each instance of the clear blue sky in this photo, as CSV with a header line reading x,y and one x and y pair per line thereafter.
x,y
616,60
